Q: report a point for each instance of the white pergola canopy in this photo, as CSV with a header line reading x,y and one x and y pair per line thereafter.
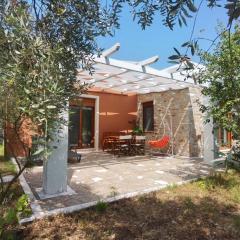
x,y
131,77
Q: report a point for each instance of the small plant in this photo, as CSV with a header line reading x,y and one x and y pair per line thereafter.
x,y
235,193
22,206
217,180
137,131
113,192
101,206
236,222
12,215
171,186
188,203
142,198
201,184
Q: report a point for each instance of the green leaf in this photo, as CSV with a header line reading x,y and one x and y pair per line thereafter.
x,y
51,107
186,13
184,20
185,44
191,6
173,62
174,57
192,49
35,106
11,216
190,65
38,152
27,91
178,53
179,22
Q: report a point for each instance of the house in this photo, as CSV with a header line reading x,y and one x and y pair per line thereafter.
x,y
126,94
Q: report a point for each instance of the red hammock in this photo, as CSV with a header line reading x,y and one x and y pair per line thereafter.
x,y
162,143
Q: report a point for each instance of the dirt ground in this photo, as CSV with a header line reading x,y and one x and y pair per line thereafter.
x,y
206,209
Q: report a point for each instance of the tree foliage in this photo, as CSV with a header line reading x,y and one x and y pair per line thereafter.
x,y
222,79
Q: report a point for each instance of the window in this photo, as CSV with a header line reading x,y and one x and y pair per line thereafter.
x,y
223,138
148,121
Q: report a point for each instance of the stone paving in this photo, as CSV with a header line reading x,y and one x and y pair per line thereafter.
x,y
100,175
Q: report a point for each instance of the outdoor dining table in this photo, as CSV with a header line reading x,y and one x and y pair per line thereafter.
x,y
122,144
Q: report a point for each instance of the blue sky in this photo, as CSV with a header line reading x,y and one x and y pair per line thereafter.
x,y
157,39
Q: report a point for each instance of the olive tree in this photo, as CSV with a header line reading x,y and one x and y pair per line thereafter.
x,y
38,67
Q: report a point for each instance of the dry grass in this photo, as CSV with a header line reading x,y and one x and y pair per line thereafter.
x,y
206,209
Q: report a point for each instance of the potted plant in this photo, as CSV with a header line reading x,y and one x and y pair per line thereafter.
x,y
137,131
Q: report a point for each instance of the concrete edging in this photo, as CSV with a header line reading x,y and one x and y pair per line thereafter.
x,y
82,206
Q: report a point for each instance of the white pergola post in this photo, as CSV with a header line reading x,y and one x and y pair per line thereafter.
x,y
55,168
208,139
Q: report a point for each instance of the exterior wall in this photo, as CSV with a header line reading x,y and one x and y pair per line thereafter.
x,y
177,110
117,112
18,145
196,135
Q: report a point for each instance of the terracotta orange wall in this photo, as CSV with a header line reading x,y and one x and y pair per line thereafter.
x,y
18,146
116,112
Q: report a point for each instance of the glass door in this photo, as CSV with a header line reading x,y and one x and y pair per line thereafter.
x,y
87,127
74,126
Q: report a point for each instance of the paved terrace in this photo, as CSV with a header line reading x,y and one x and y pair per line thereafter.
x,y
101,175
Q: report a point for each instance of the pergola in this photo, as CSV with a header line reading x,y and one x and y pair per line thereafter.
x,y
128,77
114,76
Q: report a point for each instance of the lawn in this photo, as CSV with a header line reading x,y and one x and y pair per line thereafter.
x,y
205,209
6,166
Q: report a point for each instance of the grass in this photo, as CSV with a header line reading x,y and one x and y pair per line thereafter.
x,y
6,166
205,209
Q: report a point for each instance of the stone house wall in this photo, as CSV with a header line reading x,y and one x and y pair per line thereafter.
x,y
177,110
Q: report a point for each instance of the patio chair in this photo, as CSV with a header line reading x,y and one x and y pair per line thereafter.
x,y
108,140
73,155
160,144
123,145
139,145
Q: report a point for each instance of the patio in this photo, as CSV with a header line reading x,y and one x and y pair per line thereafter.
x,y
101,176
124,96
